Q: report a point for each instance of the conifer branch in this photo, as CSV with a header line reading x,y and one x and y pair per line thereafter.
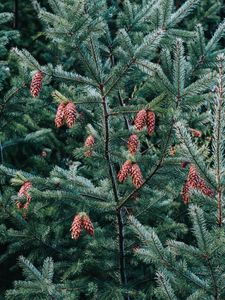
x,y
218,139
123,275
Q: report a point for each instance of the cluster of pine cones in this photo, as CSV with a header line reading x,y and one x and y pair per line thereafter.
x,y
143,118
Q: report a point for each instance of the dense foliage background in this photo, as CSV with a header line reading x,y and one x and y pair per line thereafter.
x,y
145,85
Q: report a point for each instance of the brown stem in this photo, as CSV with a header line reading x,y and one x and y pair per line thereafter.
x,y
119,212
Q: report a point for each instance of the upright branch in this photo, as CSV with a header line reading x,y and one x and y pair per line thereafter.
x,y
123,275
218,139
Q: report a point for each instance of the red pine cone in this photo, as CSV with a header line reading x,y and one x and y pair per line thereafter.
x,y
184,164
24,189
89,142
196,133
150,121
36,84
87,224
59,117
185,193
193,177
133,144
140,120
76,227
194,181
70,114
136,175
124,171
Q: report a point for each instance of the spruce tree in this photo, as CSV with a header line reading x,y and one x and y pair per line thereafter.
x,y
137,97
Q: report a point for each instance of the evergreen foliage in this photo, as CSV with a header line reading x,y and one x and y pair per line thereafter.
x,y
111,70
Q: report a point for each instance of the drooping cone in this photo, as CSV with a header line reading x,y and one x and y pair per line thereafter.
x,y
89,142
194,181
124,171
185,193
193,177
59,117
133,144
140,120
150,121
36,84
136,175
76,227
196,133
87,224
70,114
24,190
184,164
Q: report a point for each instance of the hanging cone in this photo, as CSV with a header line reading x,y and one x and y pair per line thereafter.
x,y
133,144
89,142
124,171
196,133
36,84
194,181
140,120
76,227
70,114
184,164
87,224
59,117
185,193
136,175
150,121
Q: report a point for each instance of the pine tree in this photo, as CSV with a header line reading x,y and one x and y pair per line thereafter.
x,y
125,69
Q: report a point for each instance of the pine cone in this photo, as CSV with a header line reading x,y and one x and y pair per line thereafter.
x,y
194,181
184,164
136,175
140,120
24,190
124,171
36,84
185,193
133,144
59,117
87,224
150,121
196,133
89,142
193,177
76,227
70,114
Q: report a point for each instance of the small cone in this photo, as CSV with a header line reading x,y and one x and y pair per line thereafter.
x,y
133,144
24,191
87,224
194,181
193,177
36,84
196,133
89,142
59,117
70,114
136,175
150,121
140,120
185,193
76,227
184,164
124,171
